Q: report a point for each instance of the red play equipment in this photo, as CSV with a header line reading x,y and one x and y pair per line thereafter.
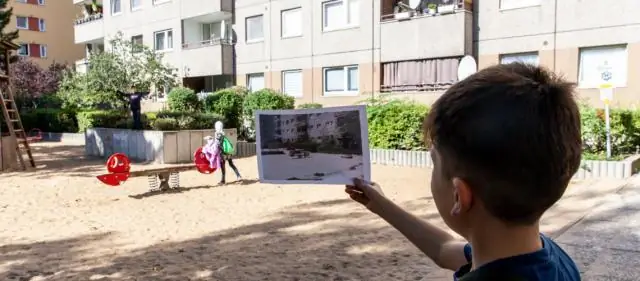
x,y
119,168
35,135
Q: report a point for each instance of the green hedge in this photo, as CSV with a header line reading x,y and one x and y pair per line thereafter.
x,y
183,99
625,132
396,125
50,120
227,103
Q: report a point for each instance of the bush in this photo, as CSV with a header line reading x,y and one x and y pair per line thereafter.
x,y
310,106
228,103
625,133
102,119
188,120
183,99
396,125
165,124
50,120
266,99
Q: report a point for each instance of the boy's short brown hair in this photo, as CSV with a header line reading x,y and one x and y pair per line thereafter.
x,y
512,132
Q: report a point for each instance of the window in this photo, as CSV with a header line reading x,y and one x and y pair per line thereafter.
x,y
23,50
162,92
292,83
41,25
43,51
341,80
163,40
529,58
116,7
40,2
136,43
340,14
136,4
596,61
22,22
291,23
255,81
514,4
254,28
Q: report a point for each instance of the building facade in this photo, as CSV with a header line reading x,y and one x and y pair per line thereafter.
x,y
194,36
46,31
339,52
579,39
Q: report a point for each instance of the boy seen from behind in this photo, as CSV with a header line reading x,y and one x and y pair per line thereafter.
x,y
505,143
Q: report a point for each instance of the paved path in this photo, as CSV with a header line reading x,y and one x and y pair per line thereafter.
x,y
605,243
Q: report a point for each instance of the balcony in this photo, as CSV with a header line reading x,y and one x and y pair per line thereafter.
x,y
207,58
196,8
426,30
89,27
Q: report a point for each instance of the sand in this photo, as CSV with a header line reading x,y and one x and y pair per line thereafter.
x,y
60,223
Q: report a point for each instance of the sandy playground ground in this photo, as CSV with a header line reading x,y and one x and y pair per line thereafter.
x,y
60,223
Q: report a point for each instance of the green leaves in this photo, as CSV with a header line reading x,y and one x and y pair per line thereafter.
x,y
396,124
121,68
183,99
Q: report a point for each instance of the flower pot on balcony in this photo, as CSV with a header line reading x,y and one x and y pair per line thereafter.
x,y
403,16
446,9
433,9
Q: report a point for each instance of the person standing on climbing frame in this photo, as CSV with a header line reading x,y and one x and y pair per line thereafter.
x,y
226,152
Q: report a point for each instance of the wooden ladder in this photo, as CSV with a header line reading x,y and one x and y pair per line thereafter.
x,y
12,118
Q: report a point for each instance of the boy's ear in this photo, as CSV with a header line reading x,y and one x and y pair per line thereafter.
x,y
462,197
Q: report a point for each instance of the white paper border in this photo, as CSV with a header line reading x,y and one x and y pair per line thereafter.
x,y
364,135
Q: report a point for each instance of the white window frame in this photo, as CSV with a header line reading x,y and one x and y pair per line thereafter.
x,y
135,8
246,29
284,75
348,22
133,44
27,53
168,43
283,14
158,2
43,51
516,57
518,4
113,6
345,89
26,22
165,92
249,80
42,26
40,2
620,80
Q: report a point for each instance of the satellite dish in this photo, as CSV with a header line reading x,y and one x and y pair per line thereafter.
x,y
467,67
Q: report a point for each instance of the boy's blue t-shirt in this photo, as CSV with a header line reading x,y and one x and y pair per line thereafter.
x,y
550,263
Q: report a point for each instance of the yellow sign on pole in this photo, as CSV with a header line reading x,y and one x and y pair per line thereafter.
x,y
606,93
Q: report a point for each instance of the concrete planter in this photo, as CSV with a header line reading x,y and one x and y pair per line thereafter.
x,y
63,137
163,147
405,158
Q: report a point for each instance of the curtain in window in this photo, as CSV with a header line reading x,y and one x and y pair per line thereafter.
x,y
353,79
256,82
292,22
354,12
254,28
160,41
334,14
292,83
528,58
420,75
334,79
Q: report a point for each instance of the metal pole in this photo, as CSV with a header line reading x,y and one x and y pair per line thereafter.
x,y
608,129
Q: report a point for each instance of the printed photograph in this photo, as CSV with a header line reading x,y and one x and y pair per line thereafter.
x,y
322,146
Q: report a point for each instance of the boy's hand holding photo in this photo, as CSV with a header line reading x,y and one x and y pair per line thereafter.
x,y
505,142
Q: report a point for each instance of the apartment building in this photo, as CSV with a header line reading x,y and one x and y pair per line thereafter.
x,y
194,36
340,52
46,31
583,40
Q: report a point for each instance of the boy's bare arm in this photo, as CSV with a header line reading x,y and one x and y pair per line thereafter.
x,y
444,249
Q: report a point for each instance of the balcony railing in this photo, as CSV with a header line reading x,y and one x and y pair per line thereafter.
x,y
402,11
207,43
88,18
